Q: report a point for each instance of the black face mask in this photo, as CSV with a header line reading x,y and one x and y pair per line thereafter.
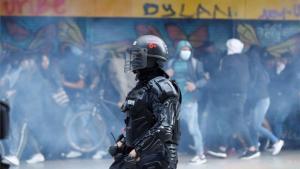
x,y
149,73
143,74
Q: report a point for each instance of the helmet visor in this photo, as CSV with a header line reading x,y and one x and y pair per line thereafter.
x,y
136,58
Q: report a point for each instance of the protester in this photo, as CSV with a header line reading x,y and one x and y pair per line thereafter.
x,y
189,74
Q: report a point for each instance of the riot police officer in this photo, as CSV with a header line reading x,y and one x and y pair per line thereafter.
x,y
152,111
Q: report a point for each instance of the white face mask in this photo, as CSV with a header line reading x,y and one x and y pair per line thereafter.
x,y
185,54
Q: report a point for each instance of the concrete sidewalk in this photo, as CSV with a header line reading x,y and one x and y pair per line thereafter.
x,y
286,160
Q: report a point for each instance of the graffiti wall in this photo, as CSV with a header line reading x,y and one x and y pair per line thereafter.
x,y
48,34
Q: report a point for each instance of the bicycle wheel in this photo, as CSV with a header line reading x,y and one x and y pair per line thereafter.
x,y
86,131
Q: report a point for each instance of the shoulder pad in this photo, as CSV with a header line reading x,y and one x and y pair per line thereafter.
x,y
163,87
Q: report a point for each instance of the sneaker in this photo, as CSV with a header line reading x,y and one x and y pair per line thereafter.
x,y
37,158
198,159
277,147
99,155
73,154
250,155
218,154
11,160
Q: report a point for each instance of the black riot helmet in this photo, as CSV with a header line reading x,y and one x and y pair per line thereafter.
x,y
146,52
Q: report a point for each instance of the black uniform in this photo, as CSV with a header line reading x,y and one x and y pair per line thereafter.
x,y
4,119
152,123
4,126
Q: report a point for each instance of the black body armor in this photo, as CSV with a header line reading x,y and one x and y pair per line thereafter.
x,y
152,122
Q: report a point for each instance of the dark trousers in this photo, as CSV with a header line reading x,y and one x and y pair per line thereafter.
x,y
149,161
228,117
233,118
212,130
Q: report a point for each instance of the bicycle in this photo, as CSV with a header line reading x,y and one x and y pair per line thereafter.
x,y
87,130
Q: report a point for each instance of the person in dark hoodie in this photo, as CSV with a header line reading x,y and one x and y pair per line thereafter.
x,y
258,98
233,87
189,74
212,131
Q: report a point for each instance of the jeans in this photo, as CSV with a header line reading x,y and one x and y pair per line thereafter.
x,y
259,112
189,115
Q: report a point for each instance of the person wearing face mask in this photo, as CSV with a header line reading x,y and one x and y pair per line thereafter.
x,y
283,93
258,99
189,74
